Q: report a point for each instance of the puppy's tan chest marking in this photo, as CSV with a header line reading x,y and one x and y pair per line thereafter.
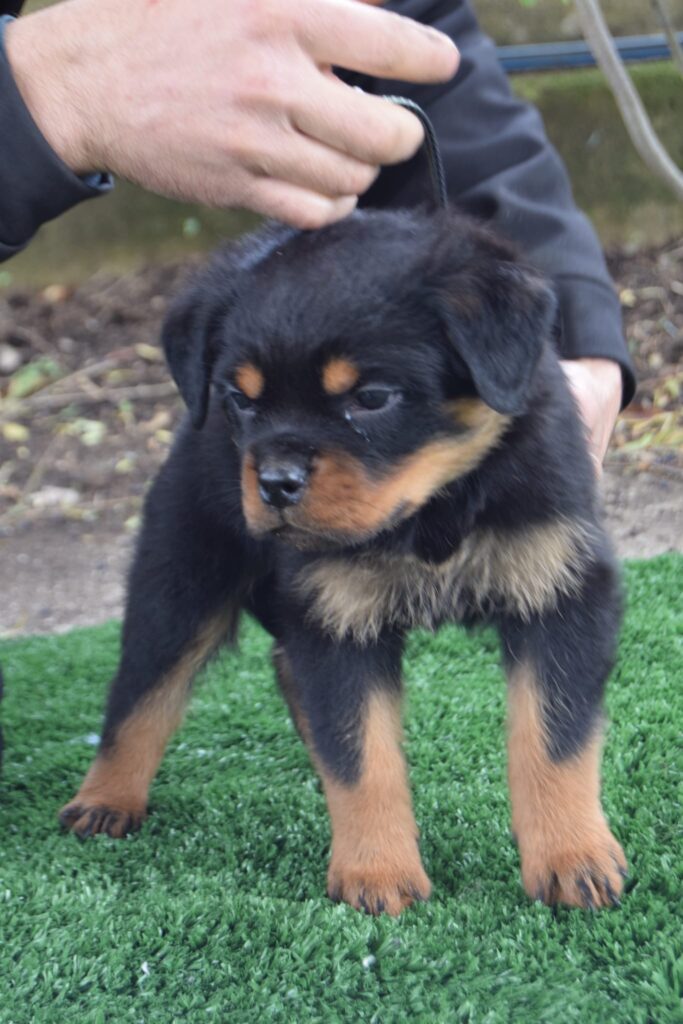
x,y
524,571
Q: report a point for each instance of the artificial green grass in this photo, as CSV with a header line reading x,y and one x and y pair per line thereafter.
x,y
216,910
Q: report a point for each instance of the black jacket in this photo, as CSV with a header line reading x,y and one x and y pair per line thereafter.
x,y
499,165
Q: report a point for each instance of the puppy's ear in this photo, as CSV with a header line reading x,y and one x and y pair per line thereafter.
x,y
189,336
192,331
497,314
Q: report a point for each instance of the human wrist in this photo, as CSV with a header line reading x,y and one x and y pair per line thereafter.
x,y
607,375
597,386
42,50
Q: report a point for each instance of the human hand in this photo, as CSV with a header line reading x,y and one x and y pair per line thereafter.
x,y
597,388
227,102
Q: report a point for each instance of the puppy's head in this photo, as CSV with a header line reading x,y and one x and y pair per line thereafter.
x,y
360,368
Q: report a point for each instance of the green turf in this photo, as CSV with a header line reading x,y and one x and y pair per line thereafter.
x,y
216,912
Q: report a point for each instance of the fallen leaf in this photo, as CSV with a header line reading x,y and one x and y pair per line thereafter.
x,y
10,359
55,293
32,377
150,353
89,432
52,496
15,432
159,421
125,465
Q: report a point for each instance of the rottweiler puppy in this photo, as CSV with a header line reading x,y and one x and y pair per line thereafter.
x,y
380,438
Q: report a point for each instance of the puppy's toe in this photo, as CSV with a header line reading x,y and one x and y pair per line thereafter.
x,y
387,889
589,875
90,819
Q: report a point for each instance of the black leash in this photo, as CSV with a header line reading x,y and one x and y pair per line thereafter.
x,y
432,151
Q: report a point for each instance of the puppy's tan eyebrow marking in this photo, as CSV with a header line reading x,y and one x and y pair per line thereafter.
x,y
250,380
339,375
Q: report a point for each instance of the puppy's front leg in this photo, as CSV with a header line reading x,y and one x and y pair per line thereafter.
x,y
346,703
557,666
183,602
146,705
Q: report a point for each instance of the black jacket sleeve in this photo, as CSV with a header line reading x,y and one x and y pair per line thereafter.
x,y
35,185
501,167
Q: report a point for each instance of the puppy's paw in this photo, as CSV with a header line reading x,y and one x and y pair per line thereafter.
x,y
378,889
589,873
86,818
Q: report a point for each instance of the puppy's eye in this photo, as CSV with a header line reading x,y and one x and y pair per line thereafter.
x,y
242,401
372,399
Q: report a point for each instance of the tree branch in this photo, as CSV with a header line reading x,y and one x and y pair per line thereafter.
x,y
634,115
675,47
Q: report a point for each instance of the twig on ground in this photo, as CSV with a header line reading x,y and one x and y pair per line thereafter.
x,y
111,362
35,479
42,402
23,512
31,337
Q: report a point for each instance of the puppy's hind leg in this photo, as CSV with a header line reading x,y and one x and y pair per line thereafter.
x,y
557,666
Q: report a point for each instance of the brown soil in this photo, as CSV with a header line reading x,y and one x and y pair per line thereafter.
x,y
88,413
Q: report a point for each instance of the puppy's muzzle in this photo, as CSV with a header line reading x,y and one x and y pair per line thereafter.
x,y
282,481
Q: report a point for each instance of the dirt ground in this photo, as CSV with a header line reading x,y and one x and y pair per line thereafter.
x,y
87,414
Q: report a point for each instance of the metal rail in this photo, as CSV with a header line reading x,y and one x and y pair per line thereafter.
x,y
576,54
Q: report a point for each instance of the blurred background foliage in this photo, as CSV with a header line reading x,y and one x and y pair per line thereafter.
x,y
629,207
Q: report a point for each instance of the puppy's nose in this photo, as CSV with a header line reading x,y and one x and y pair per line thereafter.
x,y
282,482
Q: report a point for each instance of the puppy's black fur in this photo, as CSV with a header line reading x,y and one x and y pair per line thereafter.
x,y
381,437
